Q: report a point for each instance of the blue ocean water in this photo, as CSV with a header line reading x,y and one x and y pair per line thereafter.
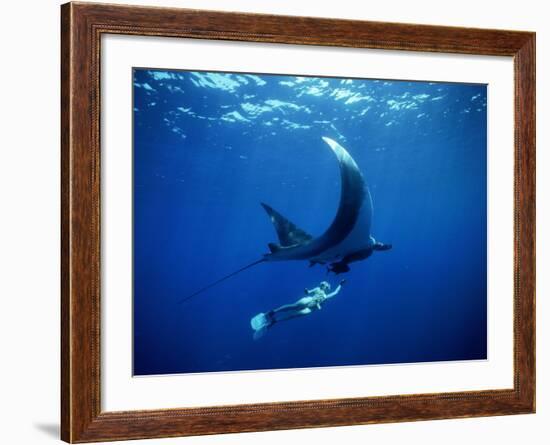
x,y
209,147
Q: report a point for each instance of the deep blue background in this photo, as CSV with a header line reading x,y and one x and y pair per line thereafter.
x,y
208,147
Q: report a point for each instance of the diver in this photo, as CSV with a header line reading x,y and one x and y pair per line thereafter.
x,y
312,301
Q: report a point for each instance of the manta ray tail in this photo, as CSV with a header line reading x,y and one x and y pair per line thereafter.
x,y
289,233
232,274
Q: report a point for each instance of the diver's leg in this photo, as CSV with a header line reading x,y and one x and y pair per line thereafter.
x,y
302,303
263,321
287,315
288,307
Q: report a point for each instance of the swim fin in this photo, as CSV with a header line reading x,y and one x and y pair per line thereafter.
x,y
259,324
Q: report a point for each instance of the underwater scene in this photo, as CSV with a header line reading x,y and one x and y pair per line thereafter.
x,y
286,221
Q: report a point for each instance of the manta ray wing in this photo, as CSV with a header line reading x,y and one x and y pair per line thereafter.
x,y
352,199
289,233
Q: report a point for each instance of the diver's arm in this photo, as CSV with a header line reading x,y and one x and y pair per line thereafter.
x,y
311,291
333,294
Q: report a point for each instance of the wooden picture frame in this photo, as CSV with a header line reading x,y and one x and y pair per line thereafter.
x,y
82,26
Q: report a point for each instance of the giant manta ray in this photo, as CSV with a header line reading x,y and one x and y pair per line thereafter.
x,y
347,239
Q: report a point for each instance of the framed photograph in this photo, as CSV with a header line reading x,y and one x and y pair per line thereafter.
x,y
274,222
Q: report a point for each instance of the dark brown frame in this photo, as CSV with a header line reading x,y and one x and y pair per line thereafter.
x,y
82,25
